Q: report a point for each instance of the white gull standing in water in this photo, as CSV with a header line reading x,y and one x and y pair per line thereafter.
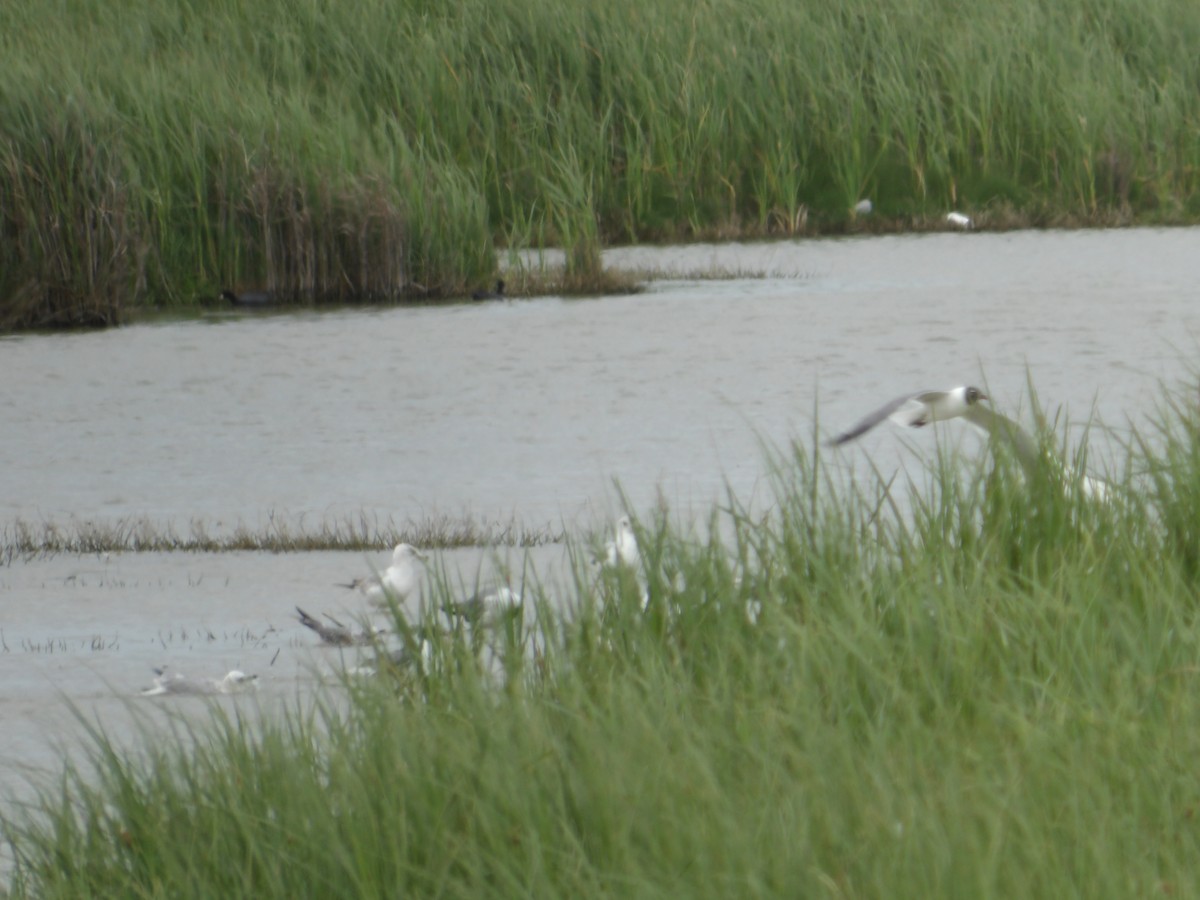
x,y
235,682
401,579
916,410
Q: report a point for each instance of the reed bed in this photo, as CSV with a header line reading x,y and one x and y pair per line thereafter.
x,y
152,153
985,686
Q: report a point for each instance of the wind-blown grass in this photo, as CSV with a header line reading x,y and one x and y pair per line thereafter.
x,y
992,693
155,152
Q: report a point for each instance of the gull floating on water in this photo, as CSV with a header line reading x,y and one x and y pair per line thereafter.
x,y
400,579
916,410
235,682
337,634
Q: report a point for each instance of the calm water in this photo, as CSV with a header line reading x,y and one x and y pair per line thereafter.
x,y
531,408
525,410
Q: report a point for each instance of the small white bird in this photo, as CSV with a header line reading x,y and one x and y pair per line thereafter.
x,y
916,410
863,207
623,549
401,579
958,220
234,682
622,554
337,634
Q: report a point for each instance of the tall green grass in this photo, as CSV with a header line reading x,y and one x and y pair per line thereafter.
x,y
985,686
155,152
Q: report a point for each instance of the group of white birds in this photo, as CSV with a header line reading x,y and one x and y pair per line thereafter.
x,y
399,583
402,579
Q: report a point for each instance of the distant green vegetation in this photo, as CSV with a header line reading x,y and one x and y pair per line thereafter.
x,y
154,151
994,694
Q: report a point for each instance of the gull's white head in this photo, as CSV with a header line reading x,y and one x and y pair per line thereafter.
x,y
237,680
405,553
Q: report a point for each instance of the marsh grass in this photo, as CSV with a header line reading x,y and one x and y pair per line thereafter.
x,y
980,685
155,153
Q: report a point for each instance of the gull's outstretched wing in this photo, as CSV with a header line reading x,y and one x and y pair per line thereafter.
x,y
908,409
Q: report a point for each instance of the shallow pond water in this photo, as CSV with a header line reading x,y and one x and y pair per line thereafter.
x,y
530,409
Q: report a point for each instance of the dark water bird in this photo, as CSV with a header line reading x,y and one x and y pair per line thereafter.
x,y
337,634
497,294
250,299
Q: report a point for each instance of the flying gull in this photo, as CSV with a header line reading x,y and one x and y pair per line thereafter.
x,y
916,410
400,579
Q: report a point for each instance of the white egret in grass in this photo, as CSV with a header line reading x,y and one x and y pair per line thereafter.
x,y
959,220
622,554
622,550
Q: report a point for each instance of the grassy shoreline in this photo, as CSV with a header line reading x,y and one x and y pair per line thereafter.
x,y
153,153
993,694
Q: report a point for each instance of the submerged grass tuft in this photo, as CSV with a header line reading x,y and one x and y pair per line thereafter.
x,y
984,685
25,539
